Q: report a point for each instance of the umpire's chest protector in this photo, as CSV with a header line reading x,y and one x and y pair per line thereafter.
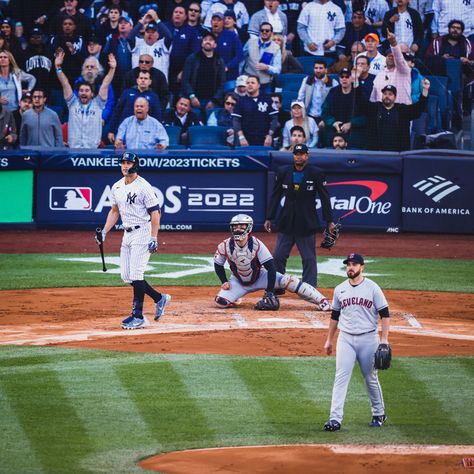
x,y
299,215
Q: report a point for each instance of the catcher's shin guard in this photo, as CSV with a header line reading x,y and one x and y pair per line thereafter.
x,y
304,290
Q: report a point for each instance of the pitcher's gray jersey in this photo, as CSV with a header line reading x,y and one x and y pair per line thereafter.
x,y
134,200
359,306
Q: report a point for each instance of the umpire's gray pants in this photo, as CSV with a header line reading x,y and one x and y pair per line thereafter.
x,y
307,248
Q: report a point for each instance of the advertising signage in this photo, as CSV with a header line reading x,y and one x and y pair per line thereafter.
x,y
189,201
438,195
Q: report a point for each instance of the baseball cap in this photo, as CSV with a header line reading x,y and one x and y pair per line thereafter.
x,y
152,26
26,96
390,88
5,22
36,32
345,71
354,257
218,14
126,18
93,39
297,102
300,148
241,81
230,13
374,36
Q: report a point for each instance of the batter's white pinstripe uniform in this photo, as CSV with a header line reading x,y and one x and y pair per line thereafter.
x,y
133,201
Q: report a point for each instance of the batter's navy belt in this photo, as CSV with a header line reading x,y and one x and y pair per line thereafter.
x,y
360,333
131,229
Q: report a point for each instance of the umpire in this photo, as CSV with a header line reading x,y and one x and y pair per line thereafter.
x,y
299,184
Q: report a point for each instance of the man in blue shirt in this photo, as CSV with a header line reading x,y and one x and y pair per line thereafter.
x,y
140,131
255,118
185,41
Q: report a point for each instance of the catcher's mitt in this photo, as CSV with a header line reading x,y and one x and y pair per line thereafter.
x,y
383,357
329,238
269,302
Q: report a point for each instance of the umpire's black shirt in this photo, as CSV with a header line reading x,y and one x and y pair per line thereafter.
x,y
299,215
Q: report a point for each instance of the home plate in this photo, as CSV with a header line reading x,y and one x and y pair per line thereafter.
x,y
277,320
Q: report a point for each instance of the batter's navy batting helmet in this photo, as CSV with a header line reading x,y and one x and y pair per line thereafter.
x,y
128,156
241,219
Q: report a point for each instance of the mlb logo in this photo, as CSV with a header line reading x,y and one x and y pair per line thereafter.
x,y
70,199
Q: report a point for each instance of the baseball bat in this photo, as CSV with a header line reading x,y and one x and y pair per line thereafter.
x,y
98,233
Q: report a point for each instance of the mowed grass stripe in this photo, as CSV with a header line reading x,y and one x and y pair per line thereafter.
x,y
289,410
231,410
430,392
450,384
49,420
16,453
171,413
119,432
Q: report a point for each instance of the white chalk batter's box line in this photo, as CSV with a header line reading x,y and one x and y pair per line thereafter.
x,y
238,321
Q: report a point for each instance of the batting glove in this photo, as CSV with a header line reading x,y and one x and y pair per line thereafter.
x,y
97,240
153,245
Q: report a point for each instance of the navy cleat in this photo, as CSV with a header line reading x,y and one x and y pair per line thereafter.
x,y
378,421
161,305
332,425
133,322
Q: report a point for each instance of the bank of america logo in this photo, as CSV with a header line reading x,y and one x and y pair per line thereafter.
x,y
436,187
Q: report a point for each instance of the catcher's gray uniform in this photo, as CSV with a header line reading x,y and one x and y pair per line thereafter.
x,y
358,340
248,275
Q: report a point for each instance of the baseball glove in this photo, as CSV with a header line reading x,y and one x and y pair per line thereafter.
x,y
330,237
269,302
383,357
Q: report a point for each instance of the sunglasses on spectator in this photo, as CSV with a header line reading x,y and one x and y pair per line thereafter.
x,y
265,30
37,96
144,61
228,102
195,10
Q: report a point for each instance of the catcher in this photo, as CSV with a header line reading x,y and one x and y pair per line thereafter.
x,y
246,256
355,308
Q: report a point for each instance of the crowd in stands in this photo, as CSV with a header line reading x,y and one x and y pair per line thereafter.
x,y
340,74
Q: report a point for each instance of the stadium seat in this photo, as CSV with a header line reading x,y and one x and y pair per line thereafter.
x,y
290,81
439,88
255,148
209,146
176,147
287,97
205,135
434,114
174,133
308,62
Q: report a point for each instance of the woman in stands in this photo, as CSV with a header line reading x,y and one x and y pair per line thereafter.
x,y
288,62
299,117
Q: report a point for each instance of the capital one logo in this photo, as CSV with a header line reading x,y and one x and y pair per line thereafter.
x,y
70,198
357,204
436,187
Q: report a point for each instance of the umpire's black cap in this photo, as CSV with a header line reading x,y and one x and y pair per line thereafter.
x,y
354,257
300,148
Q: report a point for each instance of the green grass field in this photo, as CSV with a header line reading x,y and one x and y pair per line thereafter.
x,y
74,270
74,411
97,411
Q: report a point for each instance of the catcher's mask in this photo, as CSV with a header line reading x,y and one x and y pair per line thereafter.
x,y
133,157
241,219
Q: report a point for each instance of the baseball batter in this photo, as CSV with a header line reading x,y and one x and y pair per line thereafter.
x,y
246,256
135,202
356,305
